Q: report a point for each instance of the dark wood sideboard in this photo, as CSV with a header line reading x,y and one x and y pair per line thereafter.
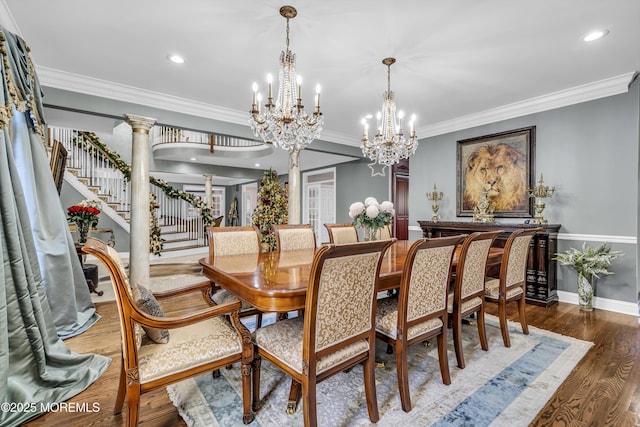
x,y
541,286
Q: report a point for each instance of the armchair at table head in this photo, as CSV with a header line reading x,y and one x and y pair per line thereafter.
x,y
342,233
294,236
198,342
510,286
468,288
338,328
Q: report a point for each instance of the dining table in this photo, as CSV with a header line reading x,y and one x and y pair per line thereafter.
x,y
277,281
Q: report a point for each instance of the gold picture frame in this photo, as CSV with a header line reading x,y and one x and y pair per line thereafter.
x,y
502,164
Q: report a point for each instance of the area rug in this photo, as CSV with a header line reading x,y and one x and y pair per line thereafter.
x,y
499,387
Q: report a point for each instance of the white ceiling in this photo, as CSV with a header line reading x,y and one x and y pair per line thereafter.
x,y
455,59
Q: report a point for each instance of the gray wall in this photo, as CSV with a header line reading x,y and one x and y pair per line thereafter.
x,y
589,151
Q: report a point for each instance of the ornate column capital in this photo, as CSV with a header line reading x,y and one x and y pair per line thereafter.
x,y
140,124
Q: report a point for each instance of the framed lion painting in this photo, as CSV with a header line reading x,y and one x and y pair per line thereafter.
x,y
501,164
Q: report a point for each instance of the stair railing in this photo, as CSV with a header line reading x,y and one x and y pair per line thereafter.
x,y
105,169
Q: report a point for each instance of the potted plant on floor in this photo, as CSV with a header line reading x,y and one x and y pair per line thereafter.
x,y
589,263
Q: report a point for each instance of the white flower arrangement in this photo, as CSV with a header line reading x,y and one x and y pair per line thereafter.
x,y
371,214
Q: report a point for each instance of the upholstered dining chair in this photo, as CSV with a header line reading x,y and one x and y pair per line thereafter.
x,y
384,233
419,312
294,236
342,233
468,289
338,328
238,240
198,342
510,286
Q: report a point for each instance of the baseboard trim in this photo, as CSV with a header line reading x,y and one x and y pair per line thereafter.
x,y
602,303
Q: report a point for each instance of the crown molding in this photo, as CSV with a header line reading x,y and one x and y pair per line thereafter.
x,y
563,98
119,92
7,20
106,89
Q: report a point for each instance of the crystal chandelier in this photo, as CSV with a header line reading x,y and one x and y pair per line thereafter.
x,y
285,123
389,144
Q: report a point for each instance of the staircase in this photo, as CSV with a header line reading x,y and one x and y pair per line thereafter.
x,y
97,172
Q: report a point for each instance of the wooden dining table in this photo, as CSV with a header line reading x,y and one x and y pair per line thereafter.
x,y
277,281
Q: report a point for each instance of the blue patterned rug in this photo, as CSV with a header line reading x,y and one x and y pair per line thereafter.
x,y
501,387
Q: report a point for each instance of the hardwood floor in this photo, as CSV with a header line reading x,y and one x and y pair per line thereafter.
x,y
603,390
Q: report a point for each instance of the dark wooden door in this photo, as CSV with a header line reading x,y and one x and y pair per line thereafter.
x,y
401,202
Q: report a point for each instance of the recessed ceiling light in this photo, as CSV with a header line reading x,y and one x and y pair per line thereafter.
x,y
193,159
594,35
257,165
176,59
369,116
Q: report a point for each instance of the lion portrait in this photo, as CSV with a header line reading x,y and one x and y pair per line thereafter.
x,y
500,169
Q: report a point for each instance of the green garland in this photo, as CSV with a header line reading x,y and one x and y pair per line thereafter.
x,y
92,144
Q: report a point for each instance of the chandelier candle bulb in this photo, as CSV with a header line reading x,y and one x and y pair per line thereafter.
x,y
269,92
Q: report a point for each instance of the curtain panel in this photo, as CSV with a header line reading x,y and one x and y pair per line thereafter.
x,y
40,273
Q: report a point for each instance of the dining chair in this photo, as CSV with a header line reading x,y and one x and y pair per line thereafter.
x,y
468,289
384,232
294,236
338,328
238,240
342,233
419,312
510,286
195,343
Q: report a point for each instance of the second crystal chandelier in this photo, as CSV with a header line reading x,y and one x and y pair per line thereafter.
x,y
389,143
285,123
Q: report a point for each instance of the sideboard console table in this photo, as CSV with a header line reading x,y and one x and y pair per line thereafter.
x,y
541,286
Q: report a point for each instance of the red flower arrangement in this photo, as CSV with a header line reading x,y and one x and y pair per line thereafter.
x,y
84,215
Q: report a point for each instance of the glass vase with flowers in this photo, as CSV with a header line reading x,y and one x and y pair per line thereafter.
x,y
371,216
84,215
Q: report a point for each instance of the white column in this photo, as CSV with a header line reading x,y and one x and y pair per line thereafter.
x,y
207,188
140,215
294,187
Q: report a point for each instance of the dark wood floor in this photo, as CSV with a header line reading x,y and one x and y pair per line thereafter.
x,y
603,390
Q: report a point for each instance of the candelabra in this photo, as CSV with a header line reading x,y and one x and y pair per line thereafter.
x,y
540,192
435,196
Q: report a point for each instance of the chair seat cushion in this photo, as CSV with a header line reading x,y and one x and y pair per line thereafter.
x,y
223,296
467,305
283,340
492,289
387,320
190,346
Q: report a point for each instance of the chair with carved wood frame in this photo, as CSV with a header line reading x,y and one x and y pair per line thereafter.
x,y
384,232
294,236
468,289
238,240
338,328
420,310
510,286
342,233
201,342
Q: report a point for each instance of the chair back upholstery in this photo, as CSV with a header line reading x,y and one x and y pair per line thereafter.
x,y
233,241
514,261
384,232
342,233
294,236
424,286
341,296
472,264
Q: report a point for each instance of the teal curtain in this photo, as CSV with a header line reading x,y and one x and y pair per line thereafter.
x,y
38,257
